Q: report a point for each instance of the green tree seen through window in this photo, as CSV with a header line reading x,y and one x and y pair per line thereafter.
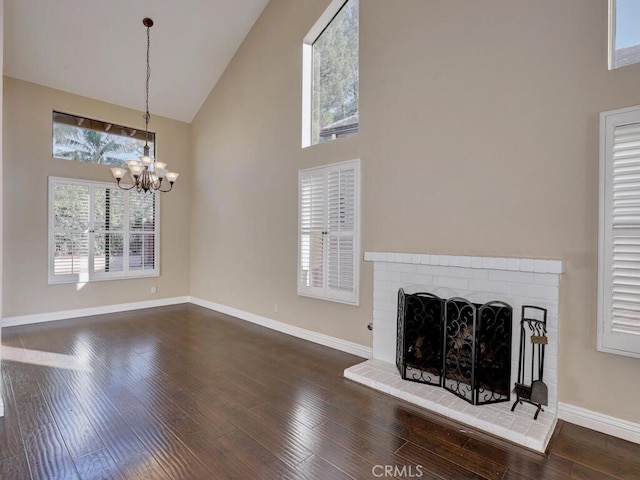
x,y
335,75
91,145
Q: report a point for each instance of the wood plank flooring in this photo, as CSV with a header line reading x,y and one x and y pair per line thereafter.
x,y
181,392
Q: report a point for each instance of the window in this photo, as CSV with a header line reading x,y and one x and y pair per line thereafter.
x,y
330,75
93,141
619,236
624,35
98,232
329,231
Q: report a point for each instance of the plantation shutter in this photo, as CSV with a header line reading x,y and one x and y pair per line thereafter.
x,y
142,228
109,212
341,231
71,222
328,232
619,275
312,227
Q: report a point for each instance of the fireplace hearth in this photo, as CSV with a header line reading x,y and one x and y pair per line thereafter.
x,y
461,346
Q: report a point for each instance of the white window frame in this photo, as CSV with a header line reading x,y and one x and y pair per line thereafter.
x,y
611,60
307,66
98,276
326,292
610,340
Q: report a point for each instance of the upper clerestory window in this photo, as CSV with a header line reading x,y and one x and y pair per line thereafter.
x,y
330,74
94,141
624,34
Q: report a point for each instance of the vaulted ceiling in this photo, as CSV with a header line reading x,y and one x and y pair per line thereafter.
x,y
97,48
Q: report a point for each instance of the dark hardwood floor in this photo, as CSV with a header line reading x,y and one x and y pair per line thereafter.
x,y
183,393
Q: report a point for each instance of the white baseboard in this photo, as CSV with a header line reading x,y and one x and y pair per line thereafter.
x,y
87,312
602,423
333,342
315,337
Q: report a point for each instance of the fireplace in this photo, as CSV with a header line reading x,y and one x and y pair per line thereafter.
x,y
458,345
515,281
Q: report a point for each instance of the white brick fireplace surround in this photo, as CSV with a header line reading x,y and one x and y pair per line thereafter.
x,y
516,281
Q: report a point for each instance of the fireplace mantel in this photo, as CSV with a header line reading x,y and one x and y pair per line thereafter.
x,y
525,265
516,281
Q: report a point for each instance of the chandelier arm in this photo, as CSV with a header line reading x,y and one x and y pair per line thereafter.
x,y
165,191
123,188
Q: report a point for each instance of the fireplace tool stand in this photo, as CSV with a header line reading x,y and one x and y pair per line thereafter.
x,y
533,338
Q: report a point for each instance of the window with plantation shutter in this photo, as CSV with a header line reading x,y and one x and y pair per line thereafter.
x,y
619,238
329,251
99,232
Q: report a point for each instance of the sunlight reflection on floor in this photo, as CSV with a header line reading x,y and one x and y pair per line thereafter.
x,y
46,359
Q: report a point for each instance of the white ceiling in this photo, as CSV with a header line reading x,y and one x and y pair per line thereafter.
x,y
97,48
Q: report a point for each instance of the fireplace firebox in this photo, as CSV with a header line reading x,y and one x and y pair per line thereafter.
x,y
461,346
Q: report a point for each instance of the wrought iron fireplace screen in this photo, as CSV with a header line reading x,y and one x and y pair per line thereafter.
x,y
461,346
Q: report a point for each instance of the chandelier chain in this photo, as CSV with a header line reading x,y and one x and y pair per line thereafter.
x,y
147,115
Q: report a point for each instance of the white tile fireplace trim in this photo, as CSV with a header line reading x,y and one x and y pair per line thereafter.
x,y
516,281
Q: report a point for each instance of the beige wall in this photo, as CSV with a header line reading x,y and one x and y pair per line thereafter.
x,y
28,163
478,135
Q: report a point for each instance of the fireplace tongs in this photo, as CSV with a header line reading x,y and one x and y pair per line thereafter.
x,y
533,327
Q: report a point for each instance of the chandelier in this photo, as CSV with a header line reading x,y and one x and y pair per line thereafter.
x,y
148,174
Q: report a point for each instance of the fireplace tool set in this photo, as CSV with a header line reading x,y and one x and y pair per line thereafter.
x,y
533,339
